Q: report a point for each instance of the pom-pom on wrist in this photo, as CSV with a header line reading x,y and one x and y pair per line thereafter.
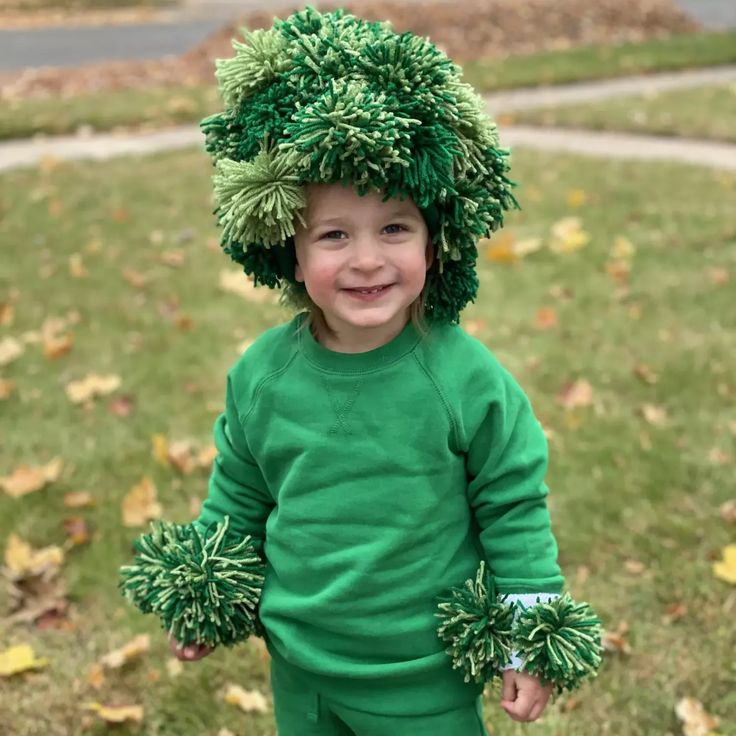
x,y
559,641
204,585
477,628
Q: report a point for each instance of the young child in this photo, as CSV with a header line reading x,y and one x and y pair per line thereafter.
x,y
377,508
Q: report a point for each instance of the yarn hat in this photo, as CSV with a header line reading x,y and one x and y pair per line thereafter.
x,y
331,98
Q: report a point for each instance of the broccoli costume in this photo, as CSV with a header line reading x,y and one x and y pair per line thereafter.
x,y
343,518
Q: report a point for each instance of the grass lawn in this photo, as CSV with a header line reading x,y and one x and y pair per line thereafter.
x,y
164,106
698,112
74,5
638,471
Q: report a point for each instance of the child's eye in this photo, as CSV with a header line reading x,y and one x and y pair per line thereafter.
x,y
332,235
401,227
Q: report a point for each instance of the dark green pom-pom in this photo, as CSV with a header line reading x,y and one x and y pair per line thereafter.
x,y
204,586
477,628
559,641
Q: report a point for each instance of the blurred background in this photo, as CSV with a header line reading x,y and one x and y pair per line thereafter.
x,y
611,295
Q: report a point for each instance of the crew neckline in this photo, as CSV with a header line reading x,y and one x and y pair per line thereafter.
x,y
370,360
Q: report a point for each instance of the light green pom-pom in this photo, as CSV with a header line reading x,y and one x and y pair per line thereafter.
x,y
259,200
256,63
559,641
204,586
477,628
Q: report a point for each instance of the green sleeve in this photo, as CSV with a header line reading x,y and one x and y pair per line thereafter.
x,y
506,463
236,487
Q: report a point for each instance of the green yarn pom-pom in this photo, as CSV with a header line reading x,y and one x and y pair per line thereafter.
x,y
477,628
203,585
559,641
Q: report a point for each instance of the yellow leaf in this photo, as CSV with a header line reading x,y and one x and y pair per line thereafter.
x,y
117,713
568,235
10,349
6,388
526,246
576,198
236,282
91,386
56,347
726,568
21,560
623,248
575,394
655,415
499,249
96,676
79,499
695,721
250,701
160,449
19,659
140,505
546,318
134,648
76,266
26,479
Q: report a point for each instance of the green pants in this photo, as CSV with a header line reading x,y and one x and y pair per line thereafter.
x,y
301,710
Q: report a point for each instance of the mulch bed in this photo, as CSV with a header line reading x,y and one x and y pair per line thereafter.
x,y
469,30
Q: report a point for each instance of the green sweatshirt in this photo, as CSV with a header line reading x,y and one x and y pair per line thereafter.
x,y
372,483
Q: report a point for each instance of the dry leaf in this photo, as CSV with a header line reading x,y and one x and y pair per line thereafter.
x,y
718,456
546,318
674,612
236,282
576,198
695,721
172,258
10,349
160,449
523,248
728,511
619,271
655,415
76,266
174,667
79,500
140,505
499,249
96,676
6,388
26,479
646,374
76,529
117,713
568,236
634,567
719,276
725,569
615,641
19,658
91,386
57,346
6,314
575,394
250,701
21,560
623,249
121,406
136,279
134,648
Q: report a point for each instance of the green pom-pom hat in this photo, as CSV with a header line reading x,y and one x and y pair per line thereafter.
x,y
330,98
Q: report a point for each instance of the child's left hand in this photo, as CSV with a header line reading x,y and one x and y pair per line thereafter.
x,y
523,697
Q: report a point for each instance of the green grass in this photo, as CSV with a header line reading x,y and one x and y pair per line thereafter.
x,y
80,5
164,106
699,112
622,489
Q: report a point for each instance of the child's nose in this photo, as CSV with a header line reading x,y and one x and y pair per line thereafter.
x,y
367,254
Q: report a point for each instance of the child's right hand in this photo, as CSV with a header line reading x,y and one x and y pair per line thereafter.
x,y
190,653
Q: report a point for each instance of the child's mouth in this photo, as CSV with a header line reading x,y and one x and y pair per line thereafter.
x,y
369,293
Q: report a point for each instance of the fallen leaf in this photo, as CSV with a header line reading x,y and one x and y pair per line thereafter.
x,y
122,406
568,236
19,658
76,529
160,449
236,282
91,386
634,567
96,676
695,721
250,701
57,347
717,456
119,214
728,511
526,246
76,266
117,713
575,394
10,350
79,500
619,271
136,279
546,318
26,479
615,641
140,504
719,276
725,569
623,248
576,198
655,415
674,612
499,249
172,258
174,667
646,374
21,560
134,649
6,388
7,313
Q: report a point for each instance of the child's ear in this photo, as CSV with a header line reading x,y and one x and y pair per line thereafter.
x,y
298,275
429,253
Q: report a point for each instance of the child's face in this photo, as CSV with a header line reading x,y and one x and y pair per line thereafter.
x,y
353,244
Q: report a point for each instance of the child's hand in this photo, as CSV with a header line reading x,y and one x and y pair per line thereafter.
x,y
523,697
190,653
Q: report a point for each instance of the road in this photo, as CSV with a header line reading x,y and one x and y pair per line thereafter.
x,y
71,46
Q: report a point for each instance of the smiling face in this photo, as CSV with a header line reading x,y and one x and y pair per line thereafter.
x,y
363,262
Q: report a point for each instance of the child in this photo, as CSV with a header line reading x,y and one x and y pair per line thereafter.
x,y
378,500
